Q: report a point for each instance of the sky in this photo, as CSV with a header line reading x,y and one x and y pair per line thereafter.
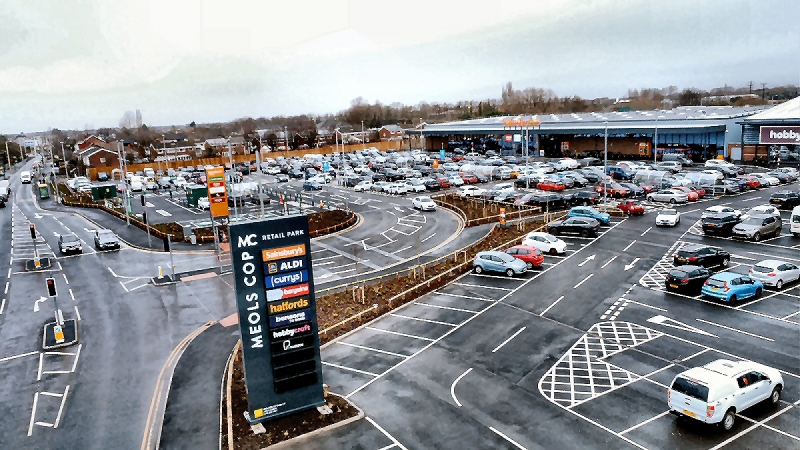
x,y
81,64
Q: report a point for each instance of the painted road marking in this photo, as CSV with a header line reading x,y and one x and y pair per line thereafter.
x,y
645,231
507,438
434,234
644,423
401,334
735,330
453,386
630,266
482,286
372,349
608,262
77,313
672,323
629,246
2,306
509,339
65,278
9,358
385,433
464,296
551,305
163,213
583,281
364,372
423,320
589,258
446,307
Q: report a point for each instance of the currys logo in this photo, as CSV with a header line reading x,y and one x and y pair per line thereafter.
x,y
286,279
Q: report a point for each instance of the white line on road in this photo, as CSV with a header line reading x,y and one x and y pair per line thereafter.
x,y
2,306
33,413
446,307
77,355
61,408
362,347
645,231
9,358
77,313
551,305
65,278
137,287
364,372
386,433
71,294
6,291
608,262
434,234
751,199
583,281
423,320
41,361
507,438
453,386
400,334
163,213
629,246
509,339
9,273
123,286
734,329
644,423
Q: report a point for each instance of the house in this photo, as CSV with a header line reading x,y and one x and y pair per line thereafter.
x,y
391,133
95,156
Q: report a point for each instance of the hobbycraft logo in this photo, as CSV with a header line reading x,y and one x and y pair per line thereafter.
x,y
785,134
780,135
292,331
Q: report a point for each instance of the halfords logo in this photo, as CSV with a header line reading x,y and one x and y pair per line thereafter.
x,y
295,331
286,279
288,305
274,295
293,317
784,135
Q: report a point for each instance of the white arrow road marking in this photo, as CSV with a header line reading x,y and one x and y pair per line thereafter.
x,y
399,208
630,266
36,304
586,260
55,234
88,230
608,262
672,323
39,216
327,275
163,213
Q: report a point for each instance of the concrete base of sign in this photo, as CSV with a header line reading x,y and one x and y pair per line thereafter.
x,y
44,263
258,428
70,329
162,281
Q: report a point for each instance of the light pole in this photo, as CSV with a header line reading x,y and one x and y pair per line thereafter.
x,y
421,134
258,168
124,183
235,199
8,155
363,140
655,144
605,166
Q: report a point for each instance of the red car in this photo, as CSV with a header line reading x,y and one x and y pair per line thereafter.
x,y
469,178
631,207
532,256
648,188
550,185
692,195
457,158
750,181
443,182
699,191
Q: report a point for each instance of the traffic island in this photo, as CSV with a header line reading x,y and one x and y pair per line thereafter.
x,y
32,266
55,338
162,280
239,434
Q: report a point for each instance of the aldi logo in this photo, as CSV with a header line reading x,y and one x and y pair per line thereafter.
x,y
285,265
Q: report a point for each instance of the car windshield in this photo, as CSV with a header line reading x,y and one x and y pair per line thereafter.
x,y
752,221
762,269
69,238
669,212
691,388
715,283
506,258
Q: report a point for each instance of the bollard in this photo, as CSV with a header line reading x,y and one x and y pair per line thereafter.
x,y
160,272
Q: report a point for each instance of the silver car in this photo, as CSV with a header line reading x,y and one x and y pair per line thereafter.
x,y
773,272
758,226
668,195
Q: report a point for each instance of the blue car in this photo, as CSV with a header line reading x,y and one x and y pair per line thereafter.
x,y
499,262
731,287
312,186
588,211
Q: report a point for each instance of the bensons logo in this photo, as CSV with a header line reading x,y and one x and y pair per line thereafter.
x,y
288,318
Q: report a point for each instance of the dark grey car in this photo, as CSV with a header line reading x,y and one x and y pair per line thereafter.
x,y
758,226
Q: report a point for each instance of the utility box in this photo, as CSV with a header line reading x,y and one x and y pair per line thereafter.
x,y
104,191
194,192
44,191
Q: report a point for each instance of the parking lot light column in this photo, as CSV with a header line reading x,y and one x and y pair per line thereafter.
x,y
230,158
655,143
122,179
258,172
605,166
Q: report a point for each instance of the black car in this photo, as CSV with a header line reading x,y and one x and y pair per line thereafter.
x,y
585,198
783,177
378,177
720,224
584,226
701,255
686,278
257,201
508,196
785,199
236,200
244,170
431,184
352,181
550,201
295,173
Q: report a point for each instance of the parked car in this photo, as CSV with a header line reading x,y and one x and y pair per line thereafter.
x,y
701,255
588,211
584,198
717,392
688,278
493,261
776,273
470,191
105,240
550,185
431,184
720,224
631,208
717,210
311,185
757,226
282,178
763,209
443,181
612,189
668,195
636,191
545,242
423,203
380,186
102,176
668,218
414,185
203,203
363,186
619,173
469,178
531,256
396,188
690,194
69,243
732,287
751,181
584,226
785,199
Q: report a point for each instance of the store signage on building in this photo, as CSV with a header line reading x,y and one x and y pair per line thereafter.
x,y
508,138
217,192
780,135
565,146
277,316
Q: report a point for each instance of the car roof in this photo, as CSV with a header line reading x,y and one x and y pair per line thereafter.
x,y
727,367
492,252
726,276
693,247
771,263
705,376
687,267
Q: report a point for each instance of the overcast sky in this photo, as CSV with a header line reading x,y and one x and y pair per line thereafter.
x,y
77,64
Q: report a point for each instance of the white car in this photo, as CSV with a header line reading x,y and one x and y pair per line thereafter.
x,y
720,210
423,204
712,163
668,195
566,164
471,191
397,188
25,177
414,185
543,167
500,187
321,179
773,272
136,185
455,180
668,218
179,182
272,170
363,186
545,242
765,179
717,392
203,203
763,209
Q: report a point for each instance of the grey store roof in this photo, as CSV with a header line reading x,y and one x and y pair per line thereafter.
x,y
785,113
686,117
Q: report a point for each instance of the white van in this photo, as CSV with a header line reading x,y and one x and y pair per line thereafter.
x,y
795,221
712,163
137,183
149,172
25,177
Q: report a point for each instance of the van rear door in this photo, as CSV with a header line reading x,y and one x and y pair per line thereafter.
x,y
689,397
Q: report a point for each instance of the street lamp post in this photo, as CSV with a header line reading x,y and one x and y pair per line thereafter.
x,y
286,141
363,140
121,178
235,199
605,166
258,168
655,144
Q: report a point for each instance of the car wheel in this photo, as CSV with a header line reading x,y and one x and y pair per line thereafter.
x,y
733,299
672,200
728,420
529,264
779,284
778,232
510,272
758,292
584,233
757,236
775,397
725,262
553,231
650,198
553,251
478,269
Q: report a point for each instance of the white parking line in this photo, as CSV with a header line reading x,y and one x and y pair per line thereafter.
x,y
645,231
77,313
391,438
551,305
363,347
507,438
400,334
364,372
9,358
482,286
608,262
423,320
65,278
61,407
508,340
33,413
644,423
2,306
453,386
583,281
446,307
629,246
735,330
463,296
